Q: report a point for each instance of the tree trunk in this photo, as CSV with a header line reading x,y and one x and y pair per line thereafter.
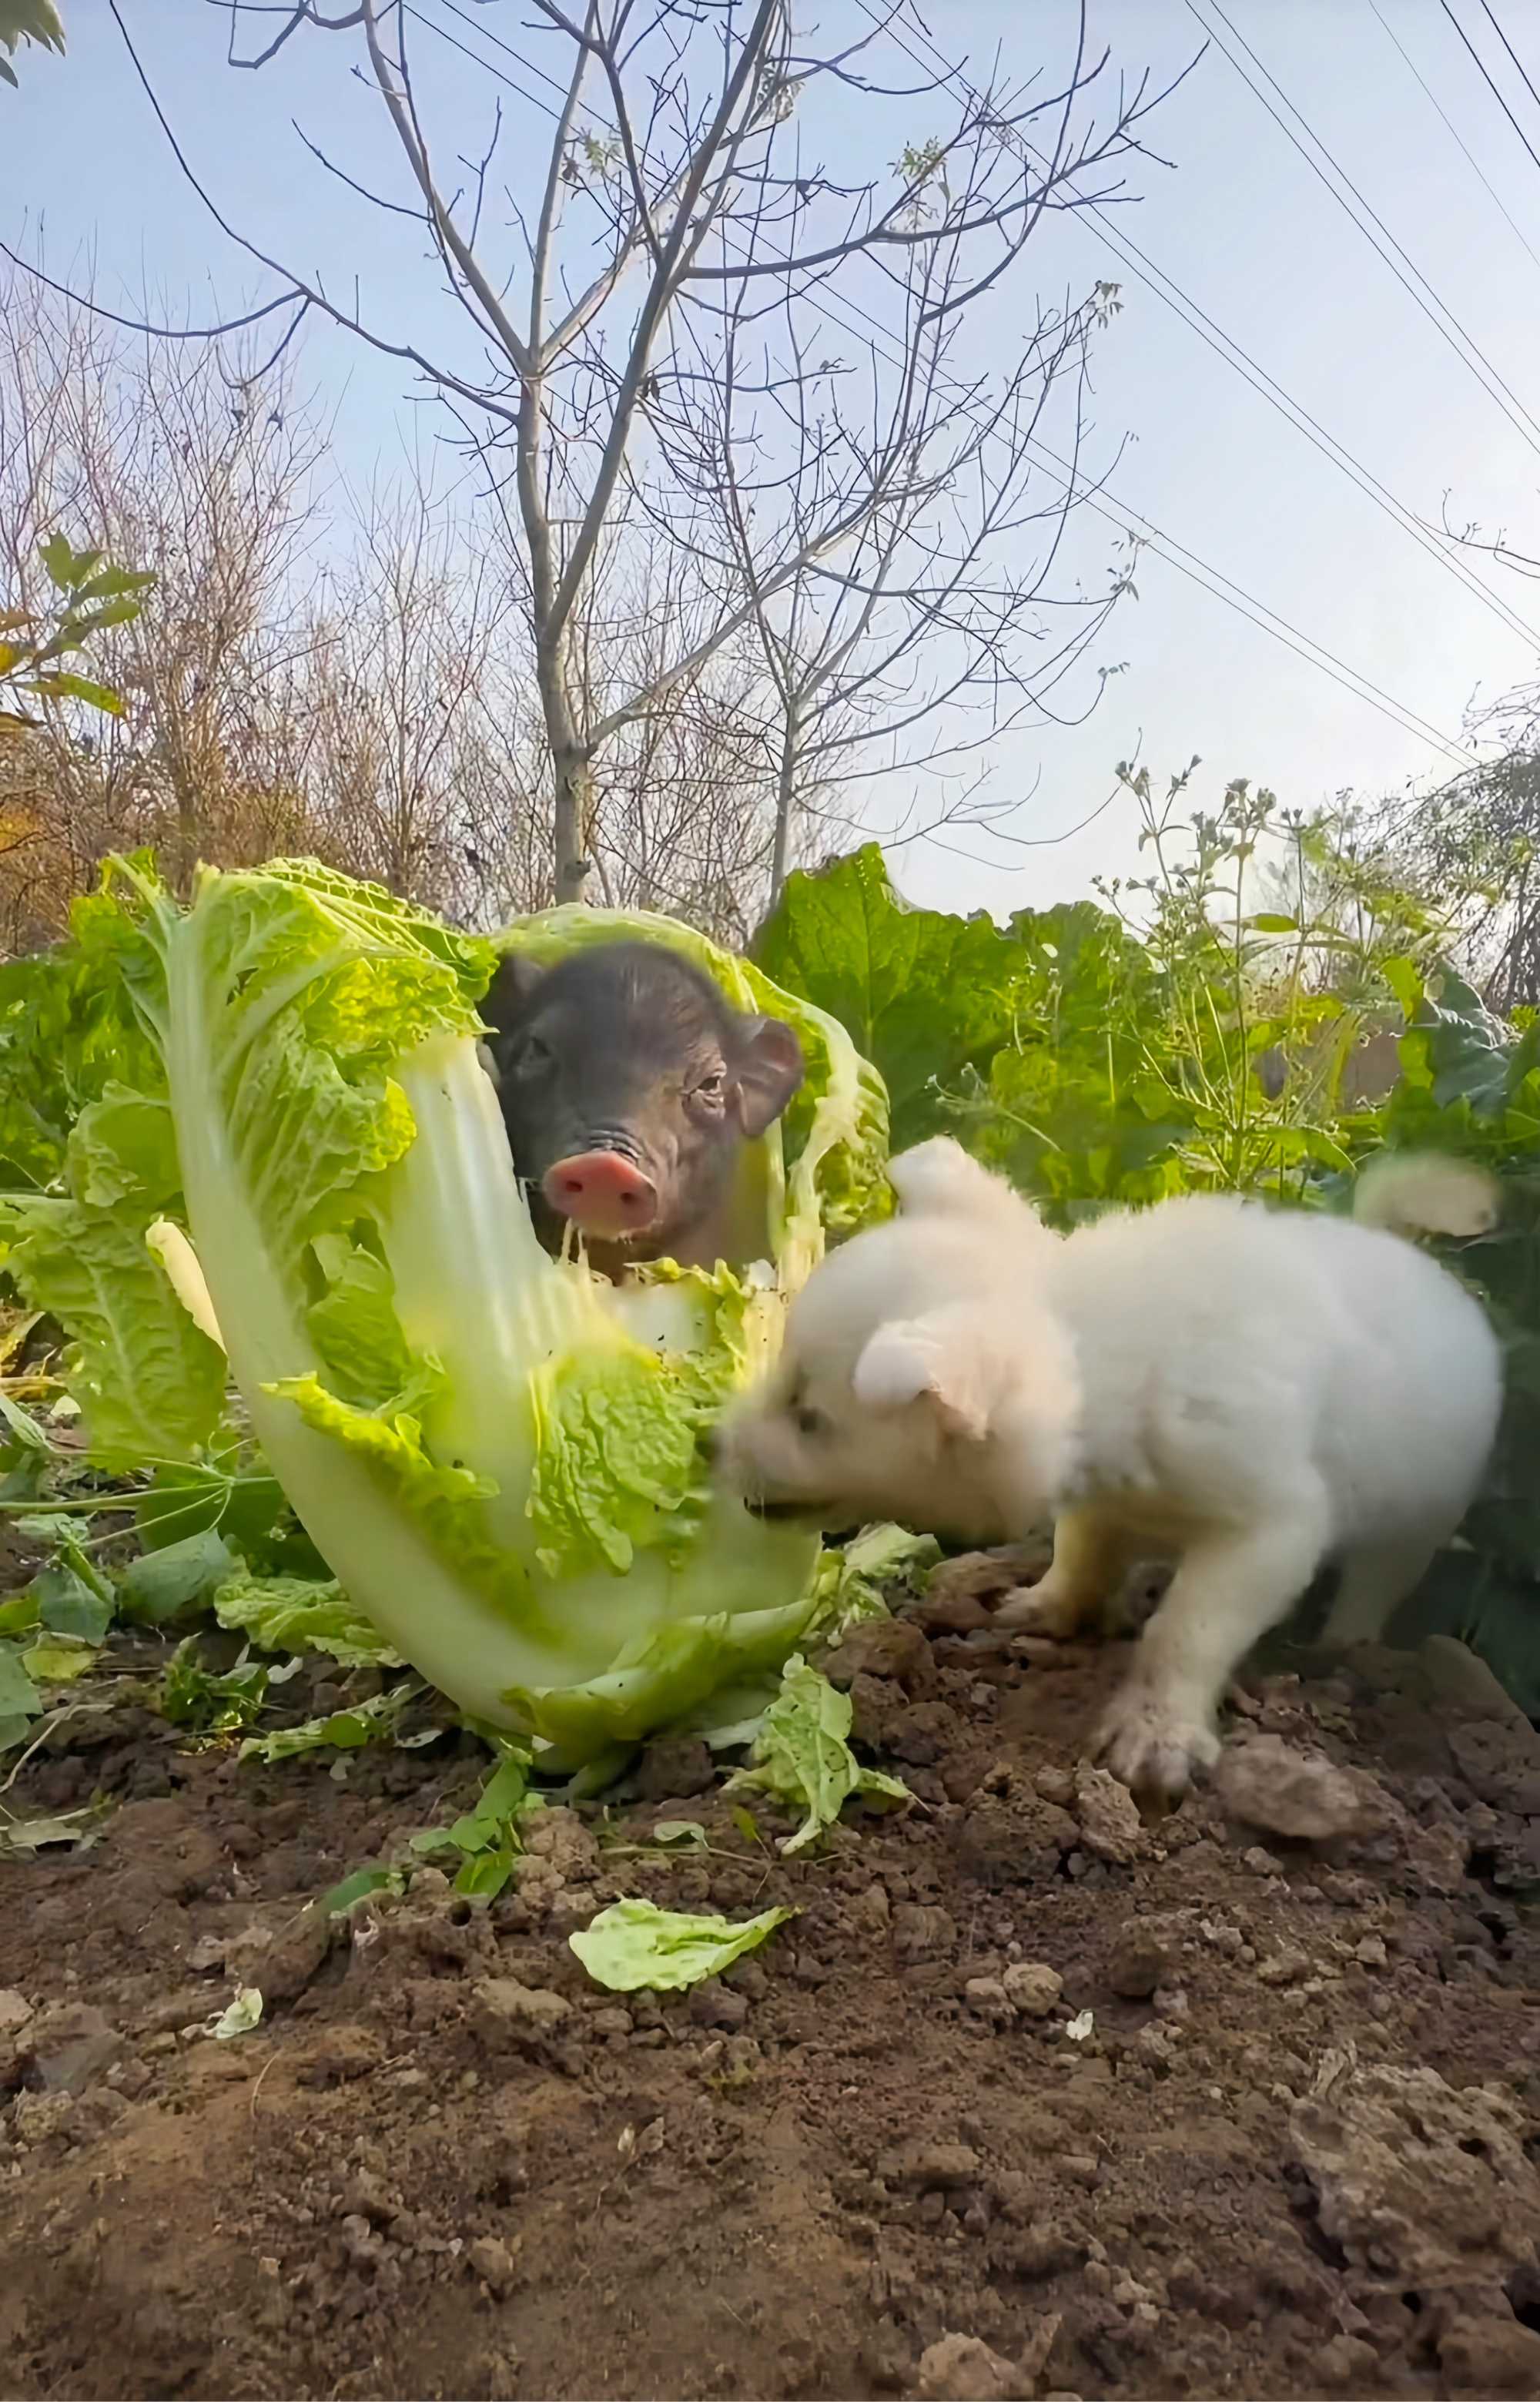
x,y
786,801
572,776
575,785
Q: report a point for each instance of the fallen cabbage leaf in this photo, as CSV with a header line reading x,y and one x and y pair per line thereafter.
x,y
634,1945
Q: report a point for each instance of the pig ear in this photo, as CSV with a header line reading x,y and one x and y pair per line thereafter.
x,y
510,988
942,1360
768,1070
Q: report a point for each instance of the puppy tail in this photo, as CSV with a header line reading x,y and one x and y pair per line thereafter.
x,y
1421,1192
939,1180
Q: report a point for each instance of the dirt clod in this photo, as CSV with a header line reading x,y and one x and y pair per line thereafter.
x,y
1140,1960
1267,1783
962,2368
1032,1987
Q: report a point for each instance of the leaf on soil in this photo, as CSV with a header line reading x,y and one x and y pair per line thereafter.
x,y
19,1695
634,1943
160,1584
801,1755
21,1424
71,1603
344,1899
853,1581
241,2017
77,1827
349,1730
58,1660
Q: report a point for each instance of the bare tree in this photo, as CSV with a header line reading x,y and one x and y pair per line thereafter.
x,y
395,679
1471,846
676,173
346,677
931,627
185,463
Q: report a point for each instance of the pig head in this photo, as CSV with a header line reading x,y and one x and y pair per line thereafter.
x,y
629,1086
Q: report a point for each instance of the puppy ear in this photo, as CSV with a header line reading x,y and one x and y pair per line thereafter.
x,y
942,1358
939,1180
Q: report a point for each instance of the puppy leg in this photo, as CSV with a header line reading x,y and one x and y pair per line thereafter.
x,y
1089,1558
1375,1578
1231,1587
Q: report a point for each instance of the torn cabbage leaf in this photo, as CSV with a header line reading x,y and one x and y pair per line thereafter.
x,y
634,1945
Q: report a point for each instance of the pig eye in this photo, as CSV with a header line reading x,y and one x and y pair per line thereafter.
x,y
812,1422
532,1057
712,1087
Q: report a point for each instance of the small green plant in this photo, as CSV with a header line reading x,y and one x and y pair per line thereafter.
x,y
92,595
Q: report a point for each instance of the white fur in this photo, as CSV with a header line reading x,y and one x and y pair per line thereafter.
x,y
1250,1391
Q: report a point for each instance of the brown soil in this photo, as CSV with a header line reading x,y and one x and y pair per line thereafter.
x,y
1290,2151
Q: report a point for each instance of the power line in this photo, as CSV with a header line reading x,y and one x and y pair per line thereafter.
x,y
1406,274
1226,347
1213,579
1193,315
1512,54
1187,563
1454,135
1482,71
1223,588
1197,319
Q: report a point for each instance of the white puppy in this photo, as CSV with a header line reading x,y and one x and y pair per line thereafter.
x,y
1250,1391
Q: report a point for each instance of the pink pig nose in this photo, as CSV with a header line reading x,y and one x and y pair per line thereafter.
x,y
602,1194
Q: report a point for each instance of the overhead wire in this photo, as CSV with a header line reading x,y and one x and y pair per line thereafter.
x,y
1491,16
1373,227
1177,554
1454,131
1295,413
1486,78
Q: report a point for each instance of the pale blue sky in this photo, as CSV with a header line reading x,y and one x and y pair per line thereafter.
x,y
1239,223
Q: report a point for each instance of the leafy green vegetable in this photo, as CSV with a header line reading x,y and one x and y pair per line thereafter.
x,y
854,1580
634,1945
70,1602
802,1755
193,1696
364,1883
500,1458
59,1659
240,2017
293,1614
18,1696
922,995
347,1730
162,1584
486,1838
203,1497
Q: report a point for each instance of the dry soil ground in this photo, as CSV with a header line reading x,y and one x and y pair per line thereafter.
x,y
1267,2128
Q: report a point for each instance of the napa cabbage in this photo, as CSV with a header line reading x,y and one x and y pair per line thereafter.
x,y
295,1205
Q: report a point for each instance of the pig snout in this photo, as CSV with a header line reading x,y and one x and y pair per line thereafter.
x,y
603,1194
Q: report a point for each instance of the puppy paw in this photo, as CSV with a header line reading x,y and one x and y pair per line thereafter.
x,y
1043,1609
1154,1744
